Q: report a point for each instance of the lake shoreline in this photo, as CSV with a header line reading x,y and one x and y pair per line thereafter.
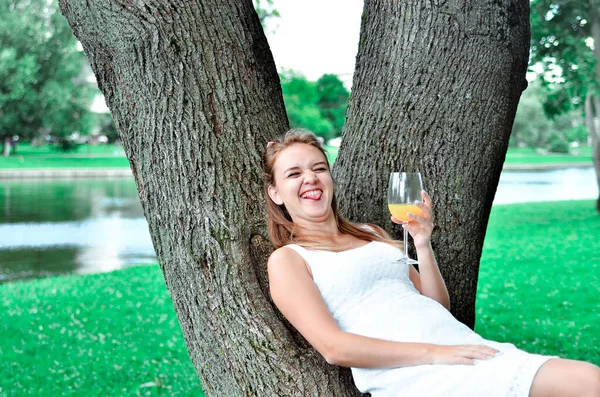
x,y
65,173
126,172
543,167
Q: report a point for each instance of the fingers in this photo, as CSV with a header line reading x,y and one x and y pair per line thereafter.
x,y
419,218
467,354
423,223
395,220
426,210
426,204
465,361
480,352
479,355
489,350
426,197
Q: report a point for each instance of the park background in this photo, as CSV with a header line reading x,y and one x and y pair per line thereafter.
x,y
81,316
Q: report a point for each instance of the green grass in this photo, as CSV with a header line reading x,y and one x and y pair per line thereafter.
x,y
112,334
529,156
106,156
539,281
116,333
520,156
86,156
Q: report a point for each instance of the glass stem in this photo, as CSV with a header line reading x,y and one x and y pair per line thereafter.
x,y
405,227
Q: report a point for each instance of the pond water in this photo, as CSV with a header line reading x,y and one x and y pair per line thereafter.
x,y
70,226
547,185
55,226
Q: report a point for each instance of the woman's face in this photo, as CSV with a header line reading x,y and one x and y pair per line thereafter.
x,y
303,183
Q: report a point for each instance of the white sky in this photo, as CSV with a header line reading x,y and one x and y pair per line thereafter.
x,y
316,36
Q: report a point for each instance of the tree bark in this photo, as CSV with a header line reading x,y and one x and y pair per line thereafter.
x,y
194,93
592,106
593,129
6,147
435,90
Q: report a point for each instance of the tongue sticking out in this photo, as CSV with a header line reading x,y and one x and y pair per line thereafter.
x,y
312,195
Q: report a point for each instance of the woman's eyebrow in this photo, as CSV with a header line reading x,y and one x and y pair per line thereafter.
x,y
297,167
291,168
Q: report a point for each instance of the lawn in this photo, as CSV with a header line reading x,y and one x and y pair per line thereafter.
x,y
521,156
116,333
529,156
539,280
86,156
111,334
109,156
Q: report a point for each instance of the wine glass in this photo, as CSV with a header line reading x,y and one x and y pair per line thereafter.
x,y
404,192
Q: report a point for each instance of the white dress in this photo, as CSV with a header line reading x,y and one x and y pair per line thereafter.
x,y
368,291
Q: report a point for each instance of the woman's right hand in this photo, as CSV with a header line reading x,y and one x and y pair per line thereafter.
x,y
462,354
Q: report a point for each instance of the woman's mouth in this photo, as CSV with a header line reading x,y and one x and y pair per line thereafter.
x,y
312,194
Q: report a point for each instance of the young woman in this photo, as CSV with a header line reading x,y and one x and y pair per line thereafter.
x,y
348,292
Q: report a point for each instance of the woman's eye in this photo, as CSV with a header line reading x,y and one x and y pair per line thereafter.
x,y
321,169
293,174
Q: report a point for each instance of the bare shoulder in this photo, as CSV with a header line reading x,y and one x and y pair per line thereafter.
x,y
287,272
285,260
282,256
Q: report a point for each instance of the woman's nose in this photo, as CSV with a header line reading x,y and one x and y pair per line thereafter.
x,y
310,176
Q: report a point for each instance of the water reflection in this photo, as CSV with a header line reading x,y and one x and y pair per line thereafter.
x,y
56,200
547,185
54,226
71,226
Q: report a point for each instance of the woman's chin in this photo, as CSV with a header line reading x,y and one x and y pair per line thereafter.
x,y
319,215
313,215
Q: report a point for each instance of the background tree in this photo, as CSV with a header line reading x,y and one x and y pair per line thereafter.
x,y
195,96
301,103
265,10
317,106
533,128
565,40
41,83
333,101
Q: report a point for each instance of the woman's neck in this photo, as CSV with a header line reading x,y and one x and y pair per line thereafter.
x,y
322,231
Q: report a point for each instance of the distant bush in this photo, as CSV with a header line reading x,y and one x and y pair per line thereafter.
x,y
557,144
578,133
65,144
317,106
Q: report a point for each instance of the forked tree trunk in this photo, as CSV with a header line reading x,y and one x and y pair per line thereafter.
x,y
194,93
6,146
435,90
593,128
592,107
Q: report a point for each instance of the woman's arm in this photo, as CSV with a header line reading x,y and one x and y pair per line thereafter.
x,y
299,300
428,280
431,281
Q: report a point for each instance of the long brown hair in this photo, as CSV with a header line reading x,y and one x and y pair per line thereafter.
x,y
281,226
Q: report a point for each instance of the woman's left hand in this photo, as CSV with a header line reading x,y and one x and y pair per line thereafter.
x,y
421,226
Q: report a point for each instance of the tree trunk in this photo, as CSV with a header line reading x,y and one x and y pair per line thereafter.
x,y
6,147
194,93
435,90
592,105
593,129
